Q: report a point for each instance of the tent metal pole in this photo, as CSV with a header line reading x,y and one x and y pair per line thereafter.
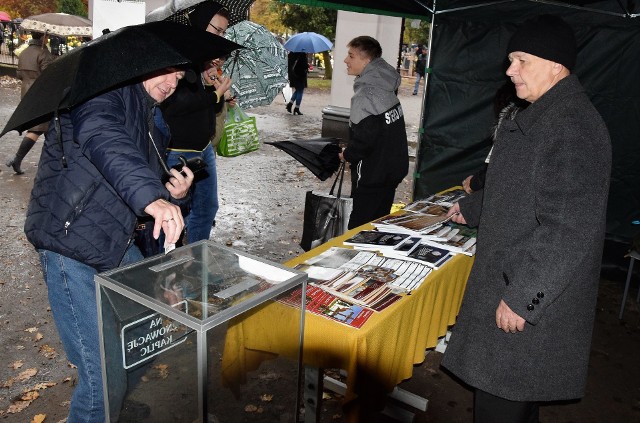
x,y
586,9
427,73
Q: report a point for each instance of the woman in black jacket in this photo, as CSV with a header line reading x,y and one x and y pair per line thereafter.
x,y
298,70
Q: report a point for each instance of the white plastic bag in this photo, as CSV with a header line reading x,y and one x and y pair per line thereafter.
x,y
287,92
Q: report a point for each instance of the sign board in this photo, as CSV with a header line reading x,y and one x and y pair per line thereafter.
x,y
149,336
115,14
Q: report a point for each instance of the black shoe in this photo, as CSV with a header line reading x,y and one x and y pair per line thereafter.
x,y
289,105
16,166
415,93
297,111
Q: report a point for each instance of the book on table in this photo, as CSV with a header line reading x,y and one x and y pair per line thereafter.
x,y
372,239
411,223
455,238
427,254
325,304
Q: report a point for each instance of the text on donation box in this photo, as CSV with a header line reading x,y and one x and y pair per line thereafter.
x,y
149,336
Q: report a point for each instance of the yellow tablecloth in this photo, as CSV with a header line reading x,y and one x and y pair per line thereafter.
x,y
382,352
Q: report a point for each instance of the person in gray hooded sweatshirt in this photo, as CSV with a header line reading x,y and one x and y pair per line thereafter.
x,y
377,149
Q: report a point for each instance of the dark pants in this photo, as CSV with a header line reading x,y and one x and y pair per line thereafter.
x,y
488,408
370,205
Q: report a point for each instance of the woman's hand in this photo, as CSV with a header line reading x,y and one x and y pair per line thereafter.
x,y
179,182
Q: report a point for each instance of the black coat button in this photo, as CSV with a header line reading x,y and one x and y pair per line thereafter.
x,y
530,307
540,294
535,301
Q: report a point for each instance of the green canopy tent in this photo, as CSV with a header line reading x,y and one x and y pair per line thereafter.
x,y
467,62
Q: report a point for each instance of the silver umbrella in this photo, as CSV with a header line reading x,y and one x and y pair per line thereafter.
x,y
60,24
258,71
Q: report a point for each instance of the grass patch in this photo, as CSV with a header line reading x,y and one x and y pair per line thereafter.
x,y
318,83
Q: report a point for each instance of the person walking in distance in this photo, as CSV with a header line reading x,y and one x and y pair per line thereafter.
x,y
31,62
298,70
421,67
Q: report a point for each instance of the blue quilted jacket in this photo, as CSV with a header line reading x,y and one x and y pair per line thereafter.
x,y
87,210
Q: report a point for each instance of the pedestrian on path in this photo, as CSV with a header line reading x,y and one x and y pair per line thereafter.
x,y
298,70
31,62
421,67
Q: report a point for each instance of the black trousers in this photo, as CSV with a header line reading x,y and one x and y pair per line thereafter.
x,y
370,205
488,408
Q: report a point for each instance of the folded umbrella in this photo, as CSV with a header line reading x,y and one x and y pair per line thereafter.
x,y
114,59
319,155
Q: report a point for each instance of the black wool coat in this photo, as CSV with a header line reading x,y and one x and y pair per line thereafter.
x,y
541,228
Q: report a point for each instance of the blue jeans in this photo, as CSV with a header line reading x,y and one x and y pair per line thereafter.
x,y
417,85
72,295
204,195
296,97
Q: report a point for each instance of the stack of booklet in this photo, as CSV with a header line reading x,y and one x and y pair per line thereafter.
x,y
348,285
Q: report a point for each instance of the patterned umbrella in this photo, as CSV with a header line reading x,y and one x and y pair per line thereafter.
x,y
259,71
60,24
238,9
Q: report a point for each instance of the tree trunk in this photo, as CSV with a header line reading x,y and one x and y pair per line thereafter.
x,y
328,69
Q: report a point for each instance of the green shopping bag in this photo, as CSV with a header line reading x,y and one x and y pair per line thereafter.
x,y
240,134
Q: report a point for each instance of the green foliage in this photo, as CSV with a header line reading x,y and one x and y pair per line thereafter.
x,y
308,19
262,12
419,35
72,7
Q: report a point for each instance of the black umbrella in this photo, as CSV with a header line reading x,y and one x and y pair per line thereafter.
x,y
111,60
319,155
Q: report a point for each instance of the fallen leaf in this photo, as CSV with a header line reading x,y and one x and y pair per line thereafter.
x,y
17,364
38,418
266,397
48,351
29,395
39,336
8,383
18,406
29,373
66,379
250,408
44,385
31,330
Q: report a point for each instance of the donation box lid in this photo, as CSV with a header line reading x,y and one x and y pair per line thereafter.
x,y
201,284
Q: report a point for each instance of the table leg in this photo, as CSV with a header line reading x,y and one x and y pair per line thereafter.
x,y
313,385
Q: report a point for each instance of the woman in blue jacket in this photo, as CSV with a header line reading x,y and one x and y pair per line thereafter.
x,y
90,189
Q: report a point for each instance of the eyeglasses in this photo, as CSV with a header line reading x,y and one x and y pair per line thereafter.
x,y
219,31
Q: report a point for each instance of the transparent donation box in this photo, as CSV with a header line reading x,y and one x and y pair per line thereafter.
x,y
189,337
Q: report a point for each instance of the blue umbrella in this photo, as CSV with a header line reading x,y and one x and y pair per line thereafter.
x,y
308,42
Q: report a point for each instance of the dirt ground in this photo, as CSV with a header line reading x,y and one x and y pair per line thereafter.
x,y
262,201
